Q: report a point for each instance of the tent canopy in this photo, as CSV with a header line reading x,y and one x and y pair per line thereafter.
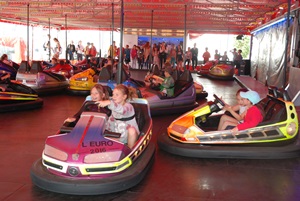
x,y
202,16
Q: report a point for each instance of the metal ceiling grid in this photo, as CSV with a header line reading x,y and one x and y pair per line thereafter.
x,y
202,16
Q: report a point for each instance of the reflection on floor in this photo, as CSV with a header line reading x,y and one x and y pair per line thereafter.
x,y
171,177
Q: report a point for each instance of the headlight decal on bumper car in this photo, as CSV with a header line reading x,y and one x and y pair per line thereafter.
x,y
53,165
105,168
141,146
87,169
256,135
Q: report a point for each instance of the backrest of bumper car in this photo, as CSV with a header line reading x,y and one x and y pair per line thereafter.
x,y
24,67
279,93
56,76
108,90
36,67
105,74
175,75
186,76
142,117
184,81
275,111
125,76
156,70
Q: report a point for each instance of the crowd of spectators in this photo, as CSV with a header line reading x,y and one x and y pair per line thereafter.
x,y
141,57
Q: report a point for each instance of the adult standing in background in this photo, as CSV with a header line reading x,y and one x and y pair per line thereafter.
x,y
206,56
162,54
239,60
118,52
173,55
217,56
153,48
87,51
234,53
79,51
93,50
224,57
155,54
71,50
179,57
140,57
57,50
188,57
113,50
147,49
127,54
194,52
133,54
47,47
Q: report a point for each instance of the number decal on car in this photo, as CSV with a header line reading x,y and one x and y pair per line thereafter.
x,y
97,150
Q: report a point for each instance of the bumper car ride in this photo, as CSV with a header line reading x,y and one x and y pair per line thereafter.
x,y
15,97
194,133
204,68
155,73
81,83
184,98
39,80
223,70
61,68
89,160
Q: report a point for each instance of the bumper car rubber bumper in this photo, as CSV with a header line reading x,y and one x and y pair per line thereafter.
x,y
287,150
78,92
22,105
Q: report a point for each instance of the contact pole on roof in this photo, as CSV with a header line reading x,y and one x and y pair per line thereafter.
x,y
184,39
49,37
66,26
151,36
121,55
99,42
286,44
112,34
32,37
27,33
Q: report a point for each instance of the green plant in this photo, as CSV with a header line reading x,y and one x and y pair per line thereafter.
x,y
244,45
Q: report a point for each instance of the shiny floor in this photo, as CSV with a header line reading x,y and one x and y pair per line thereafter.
x,y
171,177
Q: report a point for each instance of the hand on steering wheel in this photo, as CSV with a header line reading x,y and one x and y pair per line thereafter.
x,y
219,101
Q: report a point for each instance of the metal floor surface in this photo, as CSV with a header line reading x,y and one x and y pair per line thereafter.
x,y
171,177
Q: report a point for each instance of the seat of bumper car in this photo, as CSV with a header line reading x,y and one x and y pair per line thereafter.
x,y
175,75
155,70
36,67
24,67
275,110
125,76
142,117
105,74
